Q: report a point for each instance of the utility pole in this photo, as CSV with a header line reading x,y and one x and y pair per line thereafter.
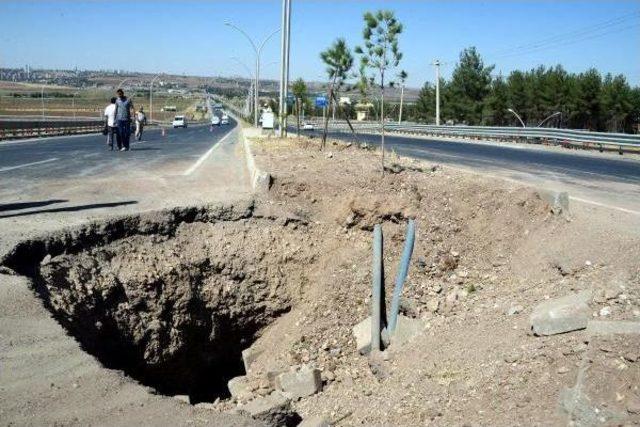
x,y
436,64
401,99
284,65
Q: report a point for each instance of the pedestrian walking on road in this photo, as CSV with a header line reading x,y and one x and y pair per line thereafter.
x,y
141,121
112,130
124,109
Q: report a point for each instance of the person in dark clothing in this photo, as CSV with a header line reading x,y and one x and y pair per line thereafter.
x,y
124,111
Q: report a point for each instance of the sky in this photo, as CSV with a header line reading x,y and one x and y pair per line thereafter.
x,y
191,37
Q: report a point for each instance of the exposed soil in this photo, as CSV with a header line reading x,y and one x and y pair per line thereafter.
x,y
172,298
486,253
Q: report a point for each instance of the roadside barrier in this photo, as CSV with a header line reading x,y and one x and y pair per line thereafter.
x,y
17,129
601,141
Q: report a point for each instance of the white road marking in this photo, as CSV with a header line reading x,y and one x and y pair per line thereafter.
x,y
603,205
10,168
205,156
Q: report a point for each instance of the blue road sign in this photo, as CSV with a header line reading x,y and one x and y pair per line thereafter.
x,y
321,101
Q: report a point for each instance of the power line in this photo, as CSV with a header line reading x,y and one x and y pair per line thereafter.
x,y
573,34
563,43
600,29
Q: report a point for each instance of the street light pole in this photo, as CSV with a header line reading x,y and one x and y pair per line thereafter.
x,y
516,114
151,99
436,63
121,83
42,99
73,105
258,50
552,115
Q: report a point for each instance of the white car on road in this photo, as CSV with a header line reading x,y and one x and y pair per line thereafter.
x,y
215,120
308,126
179,122
225,119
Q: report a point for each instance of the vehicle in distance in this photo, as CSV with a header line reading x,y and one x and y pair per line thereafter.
x,y
215,120
308,126
179,122
224,120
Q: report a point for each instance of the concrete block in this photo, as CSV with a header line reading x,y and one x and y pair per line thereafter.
x,y
603,327
262,181
273,409
314,422
301,383
565,314
558,200
239,388
406,329
249,356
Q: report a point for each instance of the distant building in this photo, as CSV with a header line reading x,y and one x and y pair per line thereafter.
x,y
362,110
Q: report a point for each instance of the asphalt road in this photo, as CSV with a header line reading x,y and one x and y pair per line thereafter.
x,y
535,160
88,155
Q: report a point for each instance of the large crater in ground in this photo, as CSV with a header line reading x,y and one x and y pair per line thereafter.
x,y
171,298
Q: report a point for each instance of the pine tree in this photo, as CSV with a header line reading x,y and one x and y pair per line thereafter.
x,y
470,84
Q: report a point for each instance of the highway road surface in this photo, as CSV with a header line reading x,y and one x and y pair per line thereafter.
x,y
88,155
598,178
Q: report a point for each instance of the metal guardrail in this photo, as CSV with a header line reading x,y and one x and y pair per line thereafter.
x,y
597,140
16,129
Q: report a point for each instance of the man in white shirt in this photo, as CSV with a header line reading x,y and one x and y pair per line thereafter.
x,y
141,120
110,114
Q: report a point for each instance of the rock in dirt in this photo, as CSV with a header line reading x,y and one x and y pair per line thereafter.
x,y
565,314
406,329
263,182
240,388
314,422
273,409
433,305
182,398
514,309
394,168
249,355
558,201
299,383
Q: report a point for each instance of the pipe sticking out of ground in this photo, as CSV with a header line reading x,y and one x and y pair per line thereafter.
x,y
403,270
376,294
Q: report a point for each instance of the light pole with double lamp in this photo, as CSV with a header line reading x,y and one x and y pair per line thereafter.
x,y
258,50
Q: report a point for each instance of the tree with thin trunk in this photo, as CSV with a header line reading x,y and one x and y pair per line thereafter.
x,y
380,53
402,78
299,89
339,60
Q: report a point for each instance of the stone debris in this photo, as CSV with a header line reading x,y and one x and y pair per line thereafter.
x,y
249,355
565,314
182,398
314,422
263,182
299,383
558,201
240,388
273,409
406,329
